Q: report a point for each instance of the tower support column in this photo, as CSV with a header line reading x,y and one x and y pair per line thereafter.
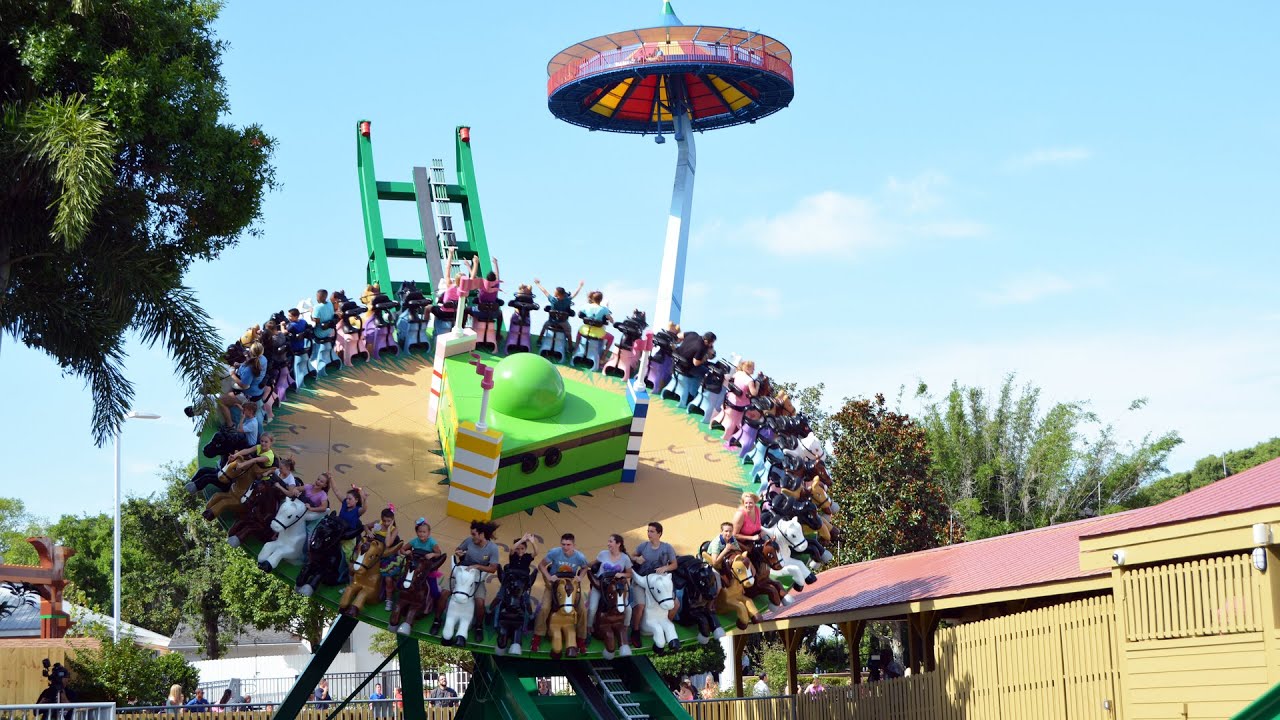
x,y
671,279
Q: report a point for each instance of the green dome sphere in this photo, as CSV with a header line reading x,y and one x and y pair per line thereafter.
x,y
527,386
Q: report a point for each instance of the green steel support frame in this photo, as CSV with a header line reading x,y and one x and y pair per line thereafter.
x,y
372,191
315,670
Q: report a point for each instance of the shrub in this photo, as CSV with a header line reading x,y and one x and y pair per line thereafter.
x,y
128,674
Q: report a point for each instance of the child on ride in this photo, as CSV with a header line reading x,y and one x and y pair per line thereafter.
x,y
596,312
316,494
490,283
421,544
722,544
289,483
522,553
561,301
260,454
350,512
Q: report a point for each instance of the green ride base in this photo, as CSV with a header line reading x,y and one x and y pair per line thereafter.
x,y
562,436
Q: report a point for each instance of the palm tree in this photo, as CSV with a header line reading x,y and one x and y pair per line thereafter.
x,y
117,174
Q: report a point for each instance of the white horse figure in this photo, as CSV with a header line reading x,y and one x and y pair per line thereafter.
x,y
290,526
464,580
659,600
789,536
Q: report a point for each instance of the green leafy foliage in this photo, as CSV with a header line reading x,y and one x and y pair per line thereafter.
x,y
1006,464
119,173
1207,470
269,603
126,673
15,527
889,503
691,659
434,657
773,658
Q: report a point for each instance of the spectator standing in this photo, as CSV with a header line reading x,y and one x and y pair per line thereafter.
x,y
176,699
224,700
198,702
322,694
816,687
399,698
443,695
378,701
761,688
685,693
544,687
710,688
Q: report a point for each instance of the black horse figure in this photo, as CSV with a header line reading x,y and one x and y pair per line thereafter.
x,y
700,583
324,565
223,443
512,609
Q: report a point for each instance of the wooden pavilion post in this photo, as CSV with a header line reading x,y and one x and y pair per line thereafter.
x,y
853,631
791,641
739,647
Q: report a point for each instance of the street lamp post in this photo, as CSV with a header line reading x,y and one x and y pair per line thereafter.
x,y
115,592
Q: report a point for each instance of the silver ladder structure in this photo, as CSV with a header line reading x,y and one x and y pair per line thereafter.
x,y
444,215
614,689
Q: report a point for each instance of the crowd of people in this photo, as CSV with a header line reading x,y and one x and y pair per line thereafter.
x,y
270,360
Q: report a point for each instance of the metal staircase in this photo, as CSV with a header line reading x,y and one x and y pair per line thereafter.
x,y
616,691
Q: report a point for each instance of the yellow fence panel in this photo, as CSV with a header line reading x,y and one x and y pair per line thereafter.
x,y
1213,596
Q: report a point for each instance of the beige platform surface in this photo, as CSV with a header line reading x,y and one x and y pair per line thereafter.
x,y
367,425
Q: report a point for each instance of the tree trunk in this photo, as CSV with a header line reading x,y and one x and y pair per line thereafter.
x,y
212,643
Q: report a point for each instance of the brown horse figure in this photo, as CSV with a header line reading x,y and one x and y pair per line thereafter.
x,y
611,616
562,625
415,598
258,507
764,558
240,475
366,574
737,576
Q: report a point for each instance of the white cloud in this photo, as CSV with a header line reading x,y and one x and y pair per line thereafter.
x,y
1049,156
920,193
829,223
1028,288
839,226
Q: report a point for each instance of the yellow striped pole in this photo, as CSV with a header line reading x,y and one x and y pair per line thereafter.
x,y
473,475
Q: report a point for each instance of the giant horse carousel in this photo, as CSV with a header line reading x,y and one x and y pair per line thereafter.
x,y
450,405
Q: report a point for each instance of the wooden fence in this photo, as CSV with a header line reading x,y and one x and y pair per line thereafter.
x,y
1215,596
1051,664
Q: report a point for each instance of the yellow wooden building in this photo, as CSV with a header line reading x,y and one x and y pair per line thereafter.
x,y
1171,611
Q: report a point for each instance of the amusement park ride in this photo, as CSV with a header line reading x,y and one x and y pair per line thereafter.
x,y
532,440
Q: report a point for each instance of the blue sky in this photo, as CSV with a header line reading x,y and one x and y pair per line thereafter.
x,y
1084,195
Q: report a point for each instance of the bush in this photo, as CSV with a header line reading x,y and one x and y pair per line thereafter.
x,y
774,661
692,659
128,674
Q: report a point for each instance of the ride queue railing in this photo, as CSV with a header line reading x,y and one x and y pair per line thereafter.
x,y
59,711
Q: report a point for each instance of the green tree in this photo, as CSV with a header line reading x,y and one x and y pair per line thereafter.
x,y
1207,470
889,502
126,673
89,570
773,659
269,603
119,172
1006,464
16,525
434,657
691,659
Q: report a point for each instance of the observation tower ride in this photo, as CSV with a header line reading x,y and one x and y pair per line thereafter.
x,y
677,79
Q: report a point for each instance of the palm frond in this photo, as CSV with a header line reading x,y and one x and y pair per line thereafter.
x,y
78,148
176,319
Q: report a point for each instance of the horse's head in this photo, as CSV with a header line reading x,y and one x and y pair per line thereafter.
x,y
615,592
661,591
703,581
290,514
463,581
768,552
807,513
327,534
566,594
812,448
790,532
741,570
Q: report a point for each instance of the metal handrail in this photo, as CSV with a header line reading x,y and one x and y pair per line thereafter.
x,y
621,58
60,711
